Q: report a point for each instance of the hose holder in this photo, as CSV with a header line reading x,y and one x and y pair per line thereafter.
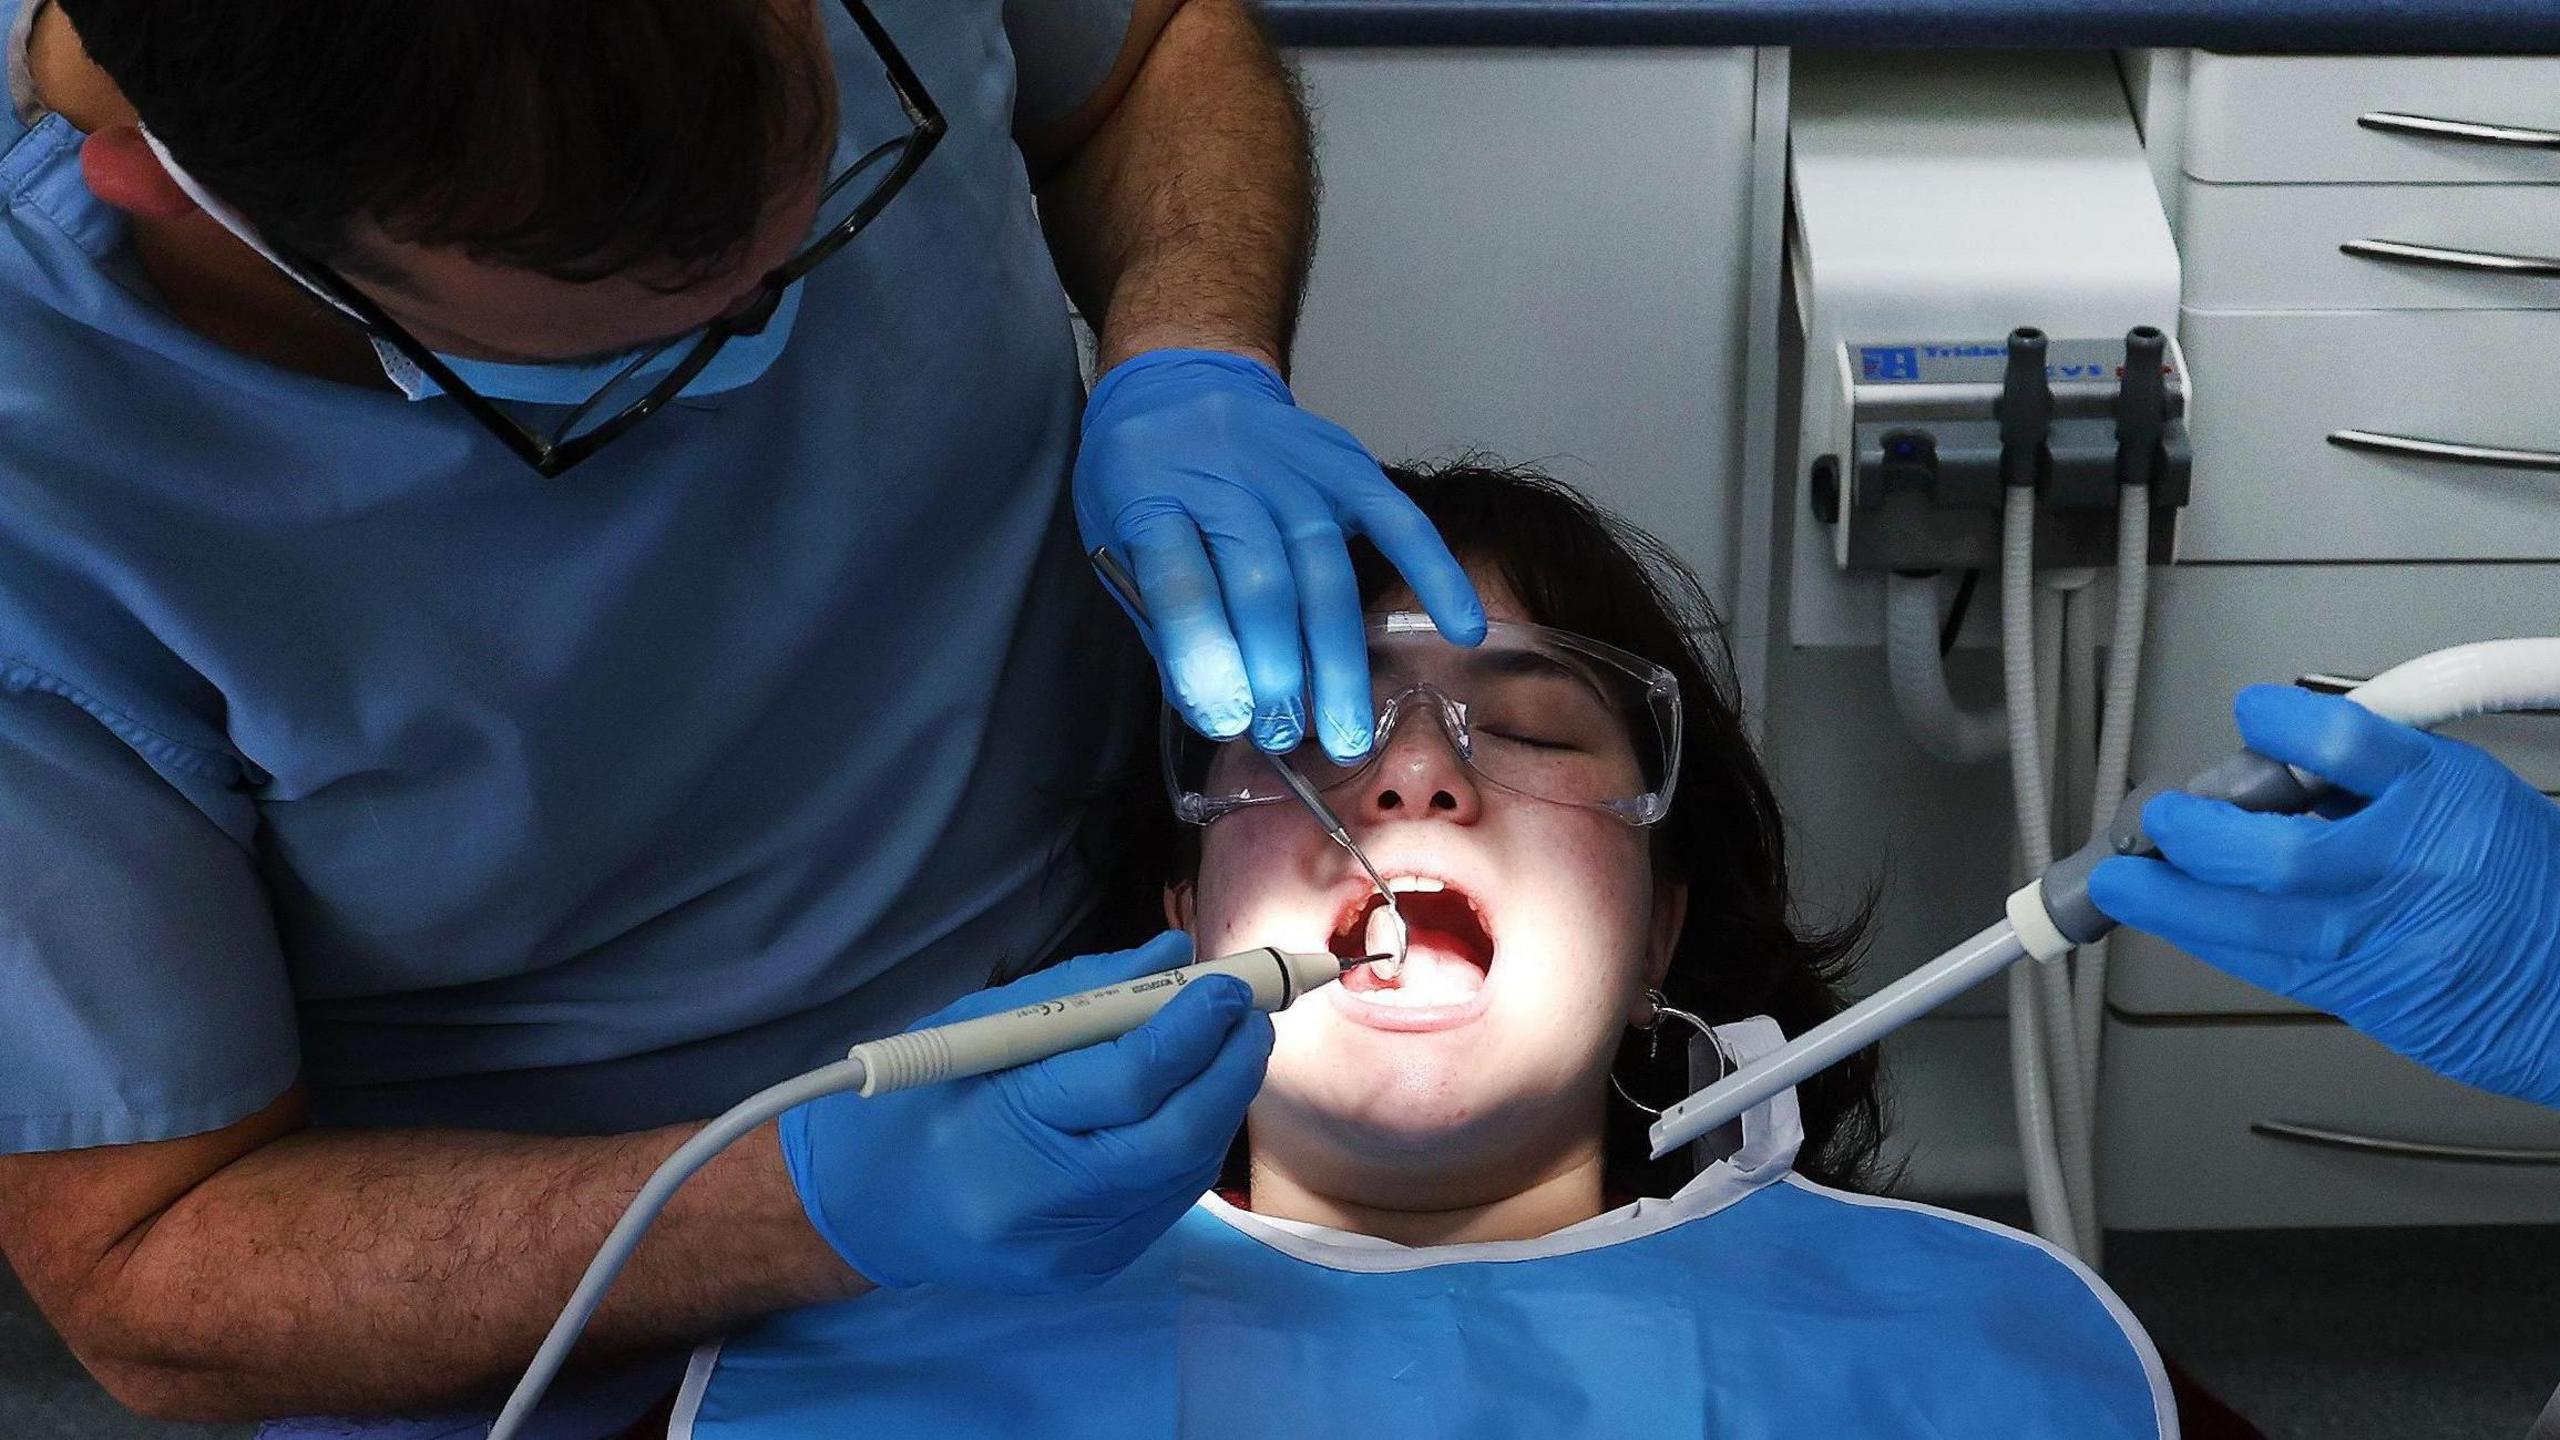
x,y
1934,432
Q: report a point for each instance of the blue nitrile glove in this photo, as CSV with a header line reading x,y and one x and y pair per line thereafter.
x,y
1053,1176
1231,507
2429,918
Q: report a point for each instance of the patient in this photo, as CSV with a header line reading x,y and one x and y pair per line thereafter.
x,y
1443,1222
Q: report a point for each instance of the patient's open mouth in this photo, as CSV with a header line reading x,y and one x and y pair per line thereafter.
x,y
1449,952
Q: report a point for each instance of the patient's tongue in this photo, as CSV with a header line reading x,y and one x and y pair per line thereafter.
x,y
1434,975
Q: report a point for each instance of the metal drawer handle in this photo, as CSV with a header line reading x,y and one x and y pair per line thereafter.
x,y
2472,131
2447,258
2418,448
2406,1149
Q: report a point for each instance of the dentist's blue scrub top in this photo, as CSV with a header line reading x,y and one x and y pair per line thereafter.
x,y
335,744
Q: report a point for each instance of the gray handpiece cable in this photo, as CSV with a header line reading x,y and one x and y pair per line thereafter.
x,y
897,1062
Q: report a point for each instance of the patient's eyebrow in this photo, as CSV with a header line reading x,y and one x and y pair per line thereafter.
x,y
1499,665
1537,663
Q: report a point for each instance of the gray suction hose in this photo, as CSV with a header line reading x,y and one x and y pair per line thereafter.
x,y
2050,915
2432,690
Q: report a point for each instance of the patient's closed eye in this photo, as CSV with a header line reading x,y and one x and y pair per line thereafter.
x,y
1541,742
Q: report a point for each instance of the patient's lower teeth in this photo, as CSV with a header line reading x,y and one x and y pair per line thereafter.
x,y
1430,978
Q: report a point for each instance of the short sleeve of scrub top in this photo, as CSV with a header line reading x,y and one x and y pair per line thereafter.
x,y
139,969
1062,52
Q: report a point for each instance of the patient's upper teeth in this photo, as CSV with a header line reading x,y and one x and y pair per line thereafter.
x,y
1405,884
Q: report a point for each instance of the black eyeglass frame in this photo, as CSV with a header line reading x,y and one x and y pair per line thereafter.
x,y
926,127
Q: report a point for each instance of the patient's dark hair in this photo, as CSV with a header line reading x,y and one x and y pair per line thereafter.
x,y
1744,948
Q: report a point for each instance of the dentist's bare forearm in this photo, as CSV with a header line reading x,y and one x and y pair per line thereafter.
x,y
1187,217
345,1271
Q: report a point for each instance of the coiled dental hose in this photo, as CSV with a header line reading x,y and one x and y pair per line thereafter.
x,y
2052,913
1918,675
898,1062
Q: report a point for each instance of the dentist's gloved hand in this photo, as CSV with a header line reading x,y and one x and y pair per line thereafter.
x,y
1231,507
1053,1176
2428,918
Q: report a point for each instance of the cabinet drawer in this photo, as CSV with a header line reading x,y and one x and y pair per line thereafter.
x,y
2297,117
2271,388
2218,629
2184,1143
2278,247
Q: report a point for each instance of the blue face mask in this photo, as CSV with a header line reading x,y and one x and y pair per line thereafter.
x,y
740,362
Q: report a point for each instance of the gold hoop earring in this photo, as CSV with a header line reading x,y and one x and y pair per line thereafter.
x,y
1662,1010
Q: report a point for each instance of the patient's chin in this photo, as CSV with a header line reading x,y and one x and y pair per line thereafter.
x,y
1426,1130
1404,1167
1423,1131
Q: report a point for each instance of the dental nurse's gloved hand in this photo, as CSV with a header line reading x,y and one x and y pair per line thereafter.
x,y
2429,917
1053,1176
1231,508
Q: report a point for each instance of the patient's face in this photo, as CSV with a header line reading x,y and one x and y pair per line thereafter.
x,y
1535,933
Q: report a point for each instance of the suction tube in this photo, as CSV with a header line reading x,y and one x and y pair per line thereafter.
x,y
2051,914
1840,1037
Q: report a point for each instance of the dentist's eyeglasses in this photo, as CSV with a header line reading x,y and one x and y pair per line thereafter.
x,y
1540,712
852,199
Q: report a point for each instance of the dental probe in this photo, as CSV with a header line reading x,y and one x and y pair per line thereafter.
x,y
2052,913
1107,565
898,1062
1385,967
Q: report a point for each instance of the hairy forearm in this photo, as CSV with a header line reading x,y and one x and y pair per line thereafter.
x,y
1186,219
346,1271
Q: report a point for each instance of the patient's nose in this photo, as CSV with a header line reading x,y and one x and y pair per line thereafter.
x,y
1419,774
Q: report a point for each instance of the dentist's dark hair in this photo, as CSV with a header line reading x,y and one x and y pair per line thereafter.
x,y
1745,947
571,137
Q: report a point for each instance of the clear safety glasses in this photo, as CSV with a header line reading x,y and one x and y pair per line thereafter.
x,y
1536,711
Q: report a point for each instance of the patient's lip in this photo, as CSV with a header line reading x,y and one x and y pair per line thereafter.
x,y
1409,1019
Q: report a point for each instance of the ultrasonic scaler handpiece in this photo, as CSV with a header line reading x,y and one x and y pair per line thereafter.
x,y
1071,1022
